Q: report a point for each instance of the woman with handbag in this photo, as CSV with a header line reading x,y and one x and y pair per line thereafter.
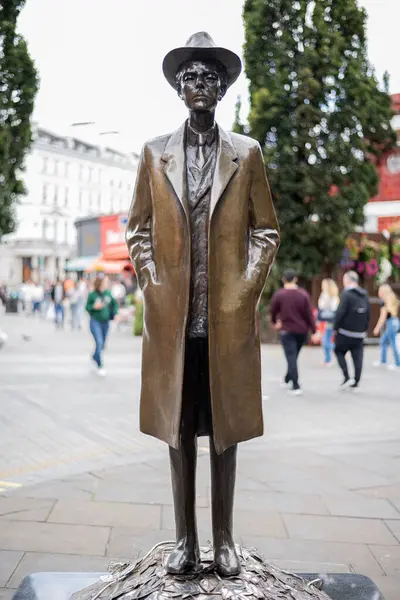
x,y
327,307
389,322
102,308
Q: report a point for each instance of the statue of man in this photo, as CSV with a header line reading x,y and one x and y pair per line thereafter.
x,y
202,234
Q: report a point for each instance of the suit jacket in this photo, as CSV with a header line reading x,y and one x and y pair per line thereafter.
x,y
243,241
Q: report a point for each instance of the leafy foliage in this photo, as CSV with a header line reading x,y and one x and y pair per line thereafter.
x,y
18,86
321,119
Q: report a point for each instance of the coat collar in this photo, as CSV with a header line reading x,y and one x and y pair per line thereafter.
x,y
175,161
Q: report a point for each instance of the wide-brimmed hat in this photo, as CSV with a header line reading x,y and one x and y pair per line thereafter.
x,y
200,46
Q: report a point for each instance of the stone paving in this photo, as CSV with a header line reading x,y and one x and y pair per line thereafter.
x,y
80,486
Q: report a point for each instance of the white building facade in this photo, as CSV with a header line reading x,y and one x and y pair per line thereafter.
x,y
66,179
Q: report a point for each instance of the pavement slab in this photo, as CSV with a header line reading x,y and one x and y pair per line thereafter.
x,y
9,561
338,529
108,514
52,537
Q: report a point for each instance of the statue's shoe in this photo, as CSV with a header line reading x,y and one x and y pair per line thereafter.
x,y
184,558
226,560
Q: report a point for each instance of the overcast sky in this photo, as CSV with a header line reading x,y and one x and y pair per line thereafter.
x,y
100,60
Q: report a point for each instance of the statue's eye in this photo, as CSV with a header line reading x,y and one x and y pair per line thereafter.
x,y
189,77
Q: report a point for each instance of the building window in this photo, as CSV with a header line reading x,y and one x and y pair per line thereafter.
x,y
99,202
44,229
66,194
55,195
66,169
55,230
44,193
120,185
66,231
44,165
80,199
80,172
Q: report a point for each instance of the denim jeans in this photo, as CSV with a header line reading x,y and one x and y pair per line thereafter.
x,y
389,338
327,344
59,314
99,332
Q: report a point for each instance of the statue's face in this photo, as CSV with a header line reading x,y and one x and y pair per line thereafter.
x,y
200,87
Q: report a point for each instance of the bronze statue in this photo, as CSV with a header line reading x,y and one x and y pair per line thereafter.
x,y
202,234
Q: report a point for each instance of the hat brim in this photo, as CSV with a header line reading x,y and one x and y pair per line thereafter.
x,y
175,58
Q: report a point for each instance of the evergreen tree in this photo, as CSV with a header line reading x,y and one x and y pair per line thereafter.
x,y
18,86
320,118
238,126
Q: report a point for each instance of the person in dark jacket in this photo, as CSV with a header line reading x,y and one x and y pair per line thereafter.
x,y
291,312
351,326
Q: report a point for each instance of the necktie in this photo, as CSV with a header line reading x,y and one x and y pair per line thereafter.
x,y
200,158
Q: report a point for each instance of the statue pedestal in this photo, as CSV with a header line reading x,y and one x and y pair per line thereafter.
x,y
61,586
147,579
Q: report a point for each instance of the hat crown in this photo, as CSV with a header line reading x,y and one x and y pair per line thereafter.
x,y
201,39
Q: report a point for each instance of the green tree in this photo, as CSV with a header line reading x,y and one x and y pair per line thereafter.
x,y
238,126
321,119
18,86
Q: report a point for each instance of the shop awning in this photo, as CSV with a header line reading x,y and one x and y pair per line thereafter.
x,y
116,252
81,263
109,266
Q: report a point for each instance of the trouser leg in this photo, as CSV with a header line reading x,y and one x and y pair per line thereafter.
x,y
341,350
185,557
357,354
291,352
96,331
223,476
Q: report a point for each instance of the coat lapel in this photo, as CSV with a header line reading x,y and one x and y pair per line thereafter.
x,y
174,168
225,167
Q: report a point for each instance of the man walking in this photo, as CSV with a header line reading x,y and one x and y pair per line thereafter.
x,y
351,326
291,312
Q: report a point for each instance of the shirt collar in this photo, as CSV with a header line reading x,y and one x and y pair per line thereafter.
x,y
195,138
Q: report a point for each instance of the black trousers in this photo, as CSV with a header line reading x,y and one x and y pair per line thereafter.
x,y
355,346
292,343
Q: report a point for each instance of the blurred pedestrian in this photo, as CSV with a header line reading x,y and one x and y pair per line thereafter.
x,y
46,298
73,305
102,308
58,297
26,294
3,293
292,314
328,303
82,294
118,290
389,323
37,298
351,327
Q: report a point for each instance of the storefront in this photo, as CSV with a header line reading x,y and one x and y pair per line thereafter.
x,y
383,211
101,246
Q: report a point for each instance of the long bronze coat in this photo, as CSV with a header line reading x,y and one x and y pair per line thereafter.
x,y
243,240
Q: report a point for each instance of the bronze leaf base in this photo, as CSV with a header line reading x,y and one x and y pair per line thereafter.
x,y
147,578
